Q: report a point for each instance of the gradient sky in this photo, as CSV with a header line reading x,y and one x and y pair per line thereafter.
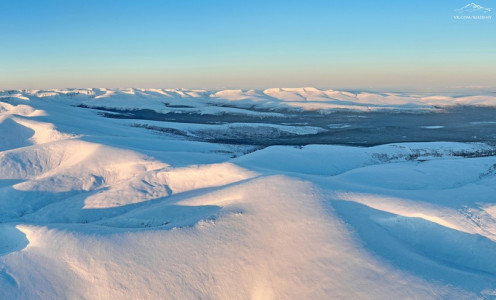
x,y
352,44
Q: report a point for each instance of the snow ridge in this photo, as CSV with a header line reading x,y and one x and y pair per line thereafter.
x,y
295,98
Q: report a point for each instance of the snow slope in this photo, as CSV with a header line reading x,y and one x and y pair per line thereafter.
x,y
99,208
274,98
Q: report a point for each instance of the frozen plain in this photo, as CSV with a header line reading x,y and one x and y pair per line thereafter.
x,y
274,194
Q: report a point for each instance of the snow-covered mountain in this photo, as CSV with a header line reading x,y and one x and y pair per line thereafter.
x,y
274,98
234,194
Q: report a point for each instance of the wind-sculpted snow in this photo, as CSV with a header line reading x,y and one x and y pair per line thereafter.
x,y
192,194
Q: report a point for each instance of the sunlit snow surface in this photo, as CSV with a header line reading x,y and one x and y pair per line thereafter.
x,y
275,194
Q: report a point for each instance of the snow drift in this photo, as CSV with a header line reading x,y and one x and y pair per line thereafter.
x,y
94,207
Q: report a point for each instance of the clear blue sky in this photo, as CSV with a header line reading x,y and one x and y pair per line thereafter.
x,y
245,44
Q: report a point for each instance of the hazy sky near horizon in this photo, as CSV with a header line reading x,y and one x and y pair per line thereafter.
x,y
353,44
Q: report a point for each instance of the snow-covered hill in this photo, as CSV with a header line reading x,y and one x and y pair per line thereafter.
x,y
184,194
274,98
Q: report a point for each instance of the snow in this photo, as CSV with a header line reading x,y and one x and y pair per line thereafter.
x,y
301,98
99,208
432,127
